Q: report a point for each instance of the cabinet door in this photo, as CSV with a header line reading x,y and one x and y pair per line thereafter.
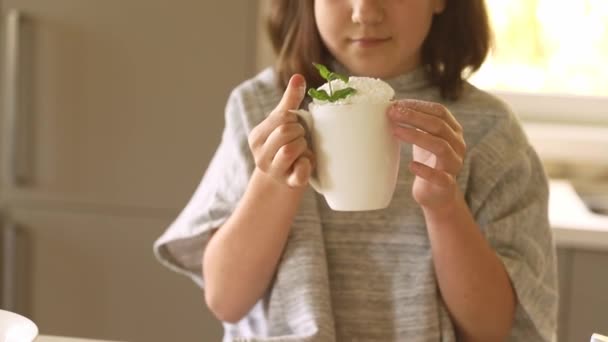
x,y
121,102
564,272
588,302
93,275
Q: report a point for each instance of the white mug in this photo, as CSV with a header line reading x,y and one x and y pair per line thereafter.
x,y
357,156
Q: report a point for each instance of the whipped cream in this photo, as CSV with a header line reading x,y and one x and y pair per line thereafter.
x,y
368,90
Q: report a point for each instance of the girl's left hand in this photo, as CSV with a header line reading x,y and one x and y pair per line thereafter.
x,y
438,149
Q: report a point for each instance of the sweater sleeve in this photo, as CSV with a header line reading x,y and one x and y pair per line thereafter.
x,y
509,199
182,245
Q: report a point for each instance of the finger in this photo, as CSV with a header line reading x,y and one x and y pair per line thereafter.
x,y
437,177
292,97
430,124
294,94
446,155
301,173
430,108
280,136
286,157
260,134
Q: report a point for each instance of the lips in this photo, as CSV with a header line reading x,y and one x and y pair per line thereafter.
x,y
369,41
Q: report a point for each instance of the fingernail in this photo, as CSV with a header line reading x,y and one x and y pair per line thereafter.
x,y
298,80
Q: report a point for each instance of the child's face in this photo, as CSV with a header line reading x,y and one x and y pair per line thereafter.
x,y
376,38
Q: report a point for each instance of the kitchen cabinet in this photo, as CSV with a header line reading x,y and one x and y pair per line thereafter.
x,y
91,274
110,112
121,102
583,284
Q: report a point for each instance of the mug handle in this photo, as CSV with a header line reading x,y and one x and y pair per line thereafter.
x,y
305,118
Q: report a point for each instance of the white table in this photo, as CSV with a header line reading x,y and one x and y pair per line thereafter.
x,y
572,222
46,338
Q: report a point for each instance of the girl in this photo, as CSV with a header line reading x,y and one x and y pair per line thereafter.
x,y
464,251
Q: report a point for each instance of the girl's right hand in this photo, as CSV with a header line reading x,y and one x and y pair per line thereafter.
x,y
278,143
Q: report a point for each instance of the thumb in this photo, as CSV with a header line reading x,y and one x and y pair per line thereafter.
x,y
294,94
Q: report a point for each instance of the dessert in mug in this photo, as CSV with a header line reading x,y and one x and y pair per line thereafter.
x,y
367,90
357,156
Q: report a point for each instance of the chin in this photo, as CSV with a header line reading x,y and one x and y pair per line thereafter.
x,y
376,70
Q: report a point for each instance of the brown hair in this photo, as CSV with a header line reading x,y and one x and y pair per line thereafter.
x,y
456,45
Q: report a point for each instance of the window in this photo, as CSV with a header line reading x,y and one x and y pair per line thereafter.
x,y
550,50
548,46
550,63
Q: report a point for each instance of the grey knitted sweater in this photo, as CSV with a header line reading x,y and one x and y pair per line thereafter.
x,y
369,276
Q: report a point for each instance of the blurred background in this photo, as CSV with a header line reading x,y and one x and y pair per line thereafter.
x,y
111,110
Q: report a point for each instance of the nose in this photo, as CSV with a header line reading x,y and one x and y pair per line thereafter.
x,y
367,12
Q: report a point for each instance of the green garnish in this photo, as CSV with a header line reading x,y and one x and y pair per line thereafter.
x,y
329,76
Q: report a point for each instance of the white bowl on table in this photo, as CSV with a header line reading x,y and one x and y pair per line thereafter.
x,y
16,328
599,338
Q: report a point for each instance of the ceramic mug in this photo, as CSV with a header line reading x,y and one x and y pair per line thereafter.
x,y
357,156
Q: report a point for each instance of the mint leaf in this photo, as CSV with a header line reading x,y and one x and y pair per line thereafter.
x,y
341,94
323,71
334,76
330,76
318,94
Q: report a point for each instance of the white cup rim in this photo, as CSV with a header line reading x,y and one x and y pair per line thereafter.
x,y
330,104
